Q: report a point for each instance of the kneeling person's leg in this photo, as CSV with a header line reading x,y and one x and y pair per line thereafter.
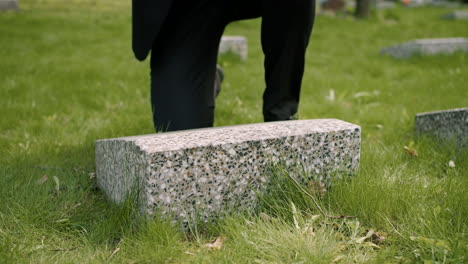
x,y
286,29
183,66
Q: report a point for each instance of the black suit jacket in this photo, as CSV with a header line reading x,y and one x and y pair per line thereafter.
x,y
148,17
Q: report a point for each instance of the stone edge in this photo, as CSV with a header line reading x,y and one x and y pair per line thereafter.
x,y
130,138
423,114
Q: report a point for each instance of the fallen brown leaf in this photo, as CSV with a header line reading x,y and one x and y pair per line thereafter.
x,y
43,179
370,244
411,151
57,184
265,217
377,238
117,249
338,259
318,188
218,244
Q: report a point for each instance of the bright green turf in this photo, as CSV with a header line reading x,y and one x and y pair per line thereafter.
x,y
68,78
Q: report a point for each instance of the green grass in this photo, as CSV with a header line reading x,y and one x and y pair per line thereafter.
x,y
68,78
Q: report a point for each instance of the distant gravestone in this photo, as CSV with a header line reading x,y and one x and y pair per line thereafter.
x,y
457,15
443,3
208,172
234,44
9,5
427,47
384,4
415,3
334,5
445,125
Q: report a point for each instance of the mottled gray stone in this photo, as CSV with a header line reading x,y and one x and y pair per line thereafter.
x,y
234,44
208,172
457,15
427,47
446,125
8,4
378,4
384,4
442,3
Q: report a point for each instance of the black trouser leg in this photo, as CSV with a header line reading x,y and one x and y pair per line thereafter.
x,y
183,65
183,59
286,29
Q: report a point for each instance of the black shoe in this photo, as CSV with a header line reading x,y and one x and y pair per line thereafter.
x,y
266,119
219,78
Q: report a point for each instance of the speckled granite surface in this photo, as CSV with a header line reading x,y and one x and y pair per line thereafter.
x,y
8,4
235,44
207,172
446,125
427,47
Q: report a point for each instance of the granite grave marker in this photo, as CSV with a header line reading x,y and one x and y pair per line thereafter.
x,y
427,47
9,5
209,172
235,44
446,125
457,15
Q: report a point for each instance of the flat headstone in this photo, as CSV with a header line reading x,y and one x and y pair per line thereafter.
x,y
384,4
443,3
446,125
416,3
334,5
8,5
440,3
209,172
427,47
379,4
235,44
457,15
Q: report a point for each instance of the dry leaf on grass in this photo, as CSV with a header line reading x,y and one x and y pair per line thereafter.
x,y
338,259
317,188
451,164
411,151
268,218
308,231
117,249
370,244
364,238
372,239
377,238
218,244
43,179
265,217
57,184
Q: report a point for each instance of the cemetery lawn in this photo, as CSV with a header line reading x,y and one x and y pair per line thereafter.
x,y
68,78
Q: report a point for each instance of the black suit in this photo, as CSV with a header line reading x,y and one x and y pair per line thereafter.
x,y
184,36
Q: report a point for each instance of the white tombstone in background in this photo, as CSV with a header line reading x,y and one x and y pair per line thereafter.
x,y
457,15
427,47
9,5
234,44
447,125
